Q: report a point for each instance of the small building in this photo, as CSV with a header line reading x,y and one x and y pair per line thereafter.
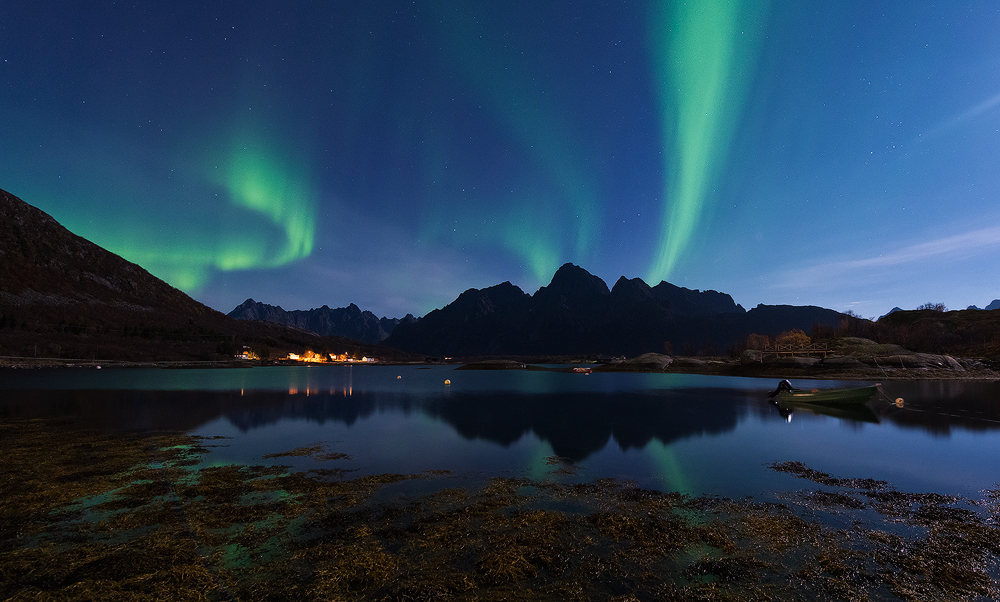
x,y
246,354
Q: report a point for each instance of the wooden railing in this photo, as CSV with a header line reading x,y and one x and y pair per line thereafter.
x,y
789,349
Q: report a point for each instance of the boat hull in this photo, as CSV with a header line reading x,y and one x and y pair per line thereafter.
x,y
848,396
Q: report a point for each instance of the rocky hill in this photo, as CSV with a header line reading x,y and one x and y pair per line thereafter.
x,y
62,296
577,314
44,265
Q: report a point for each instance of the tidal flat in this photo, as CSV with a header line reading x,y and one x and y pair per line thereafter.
x,y
87,515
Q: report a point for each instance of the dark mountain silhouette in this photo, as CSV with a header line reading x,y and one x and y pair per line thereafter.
x,y
348,321
44,265
477,322
62,296
576,424
577,314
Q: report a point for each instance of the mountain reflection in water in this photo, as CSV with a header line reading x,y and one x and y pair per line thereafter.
x,y
575,424
709,433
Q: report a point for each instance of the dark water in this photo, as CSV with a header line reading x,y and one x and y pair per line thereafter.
x,y
697,434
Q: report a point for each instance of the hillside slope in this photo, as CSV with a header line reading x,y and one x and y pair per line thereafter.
x,y
62,296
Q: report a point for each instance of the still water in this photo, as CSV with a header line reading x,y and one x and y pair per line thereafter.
x,y
697,434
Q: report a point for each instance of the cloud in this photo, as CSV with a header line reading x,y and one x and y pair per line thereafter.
x,y
971,113
836,273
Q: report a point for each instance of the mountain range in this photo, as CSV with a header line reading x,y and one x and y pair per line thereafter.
x,y
61,296
995,304
576,313
350,321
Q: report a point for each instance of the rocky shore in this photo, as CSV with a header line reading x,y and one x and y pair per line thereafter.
x,y
849,358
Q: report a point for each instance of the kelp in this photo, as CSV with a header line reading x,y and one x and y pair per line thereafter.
x,y
88,516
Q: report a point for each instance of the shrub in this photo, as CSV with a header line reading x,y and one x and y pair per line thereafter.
x,y
794,337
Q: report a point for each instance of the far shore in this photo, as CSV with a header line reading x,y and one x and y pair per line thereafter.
x,y
785,367
724,366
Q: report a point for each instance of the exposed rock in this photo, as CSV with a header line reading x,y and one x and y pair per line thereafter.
x,y
915,360
862,348
652,361
797,361
840,362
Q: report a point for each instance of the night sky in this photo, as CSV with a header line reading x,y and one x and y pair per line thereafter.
x,y
393,154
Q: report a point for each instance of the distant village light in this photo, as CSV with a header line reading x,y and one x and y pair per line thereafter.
x,y
313,357
247,354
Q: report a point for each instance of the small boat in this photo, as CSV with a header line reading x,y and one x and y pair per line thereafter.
x,y
582,370
841,396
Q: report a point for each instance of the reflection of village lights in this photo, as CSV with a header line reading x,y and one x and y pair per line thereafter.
x,y
293,391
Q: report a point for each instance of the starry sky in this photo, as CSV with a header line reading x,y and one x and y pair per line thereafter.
x,y
394,153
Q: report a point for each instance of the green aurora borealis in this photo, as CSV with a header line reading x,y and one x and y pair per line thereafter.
x,y
394,154
556,214
705,55
263,216
260,181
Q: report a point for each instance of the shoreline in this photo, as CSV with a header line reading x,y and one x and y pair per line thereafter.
x,y
139,517
791,368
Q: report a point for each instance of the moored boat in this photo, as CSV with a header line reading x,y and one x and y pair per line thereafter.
x,y
838,396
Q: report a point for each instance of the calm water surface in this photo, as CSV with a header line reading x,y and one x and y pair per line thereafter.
x,y
697,434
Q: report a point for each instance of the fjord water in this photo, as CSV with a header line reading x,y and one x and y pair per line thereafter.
x,y
697,434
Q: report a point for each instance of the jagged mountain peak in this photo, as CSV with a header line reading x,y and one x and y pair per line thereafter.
x,y
572,279
577,314
632,287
